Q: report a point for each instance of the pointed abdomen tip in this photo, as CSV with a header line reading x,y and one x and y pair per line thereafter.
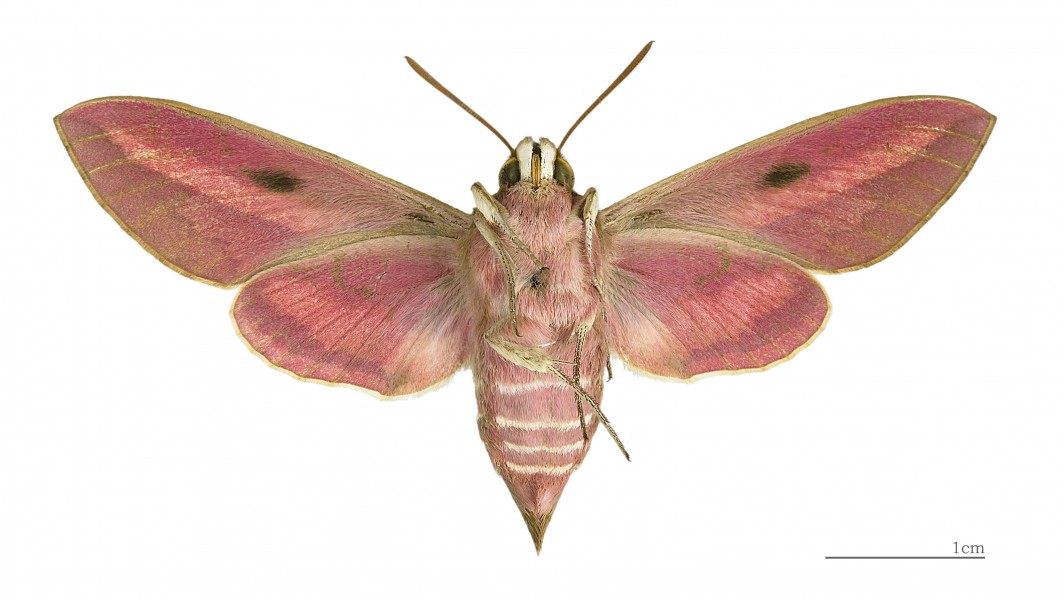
x,y
537,526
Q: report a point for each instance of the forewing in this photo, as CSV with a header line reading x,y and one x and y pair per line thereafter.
x,y
387,314
683,303
837,192
218,199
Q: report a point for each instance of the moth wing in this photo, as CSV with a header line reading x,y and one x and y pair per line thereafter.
x,y
385,314
683,303
834,193
219,200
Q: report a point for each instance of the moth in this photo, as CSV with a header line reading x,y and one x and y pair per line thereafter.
x,y
349,277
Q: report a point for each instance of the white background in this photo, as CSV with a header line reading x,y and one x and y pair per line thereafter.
x,y
145,453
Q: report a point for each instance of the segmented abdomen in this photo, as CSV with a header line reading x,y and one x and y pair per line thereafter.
x,y
530,423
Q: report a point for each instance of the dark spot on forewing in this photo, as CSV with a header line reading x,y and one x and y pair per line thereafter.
x,y
275,181
784,174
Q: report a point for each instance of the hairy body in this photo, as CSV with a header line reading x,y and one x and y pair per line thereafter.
x,y
530,421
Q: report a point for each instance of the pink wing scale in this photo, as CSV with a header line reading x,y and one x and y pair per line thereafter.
x,y
220,199
837,192
385,314
682,303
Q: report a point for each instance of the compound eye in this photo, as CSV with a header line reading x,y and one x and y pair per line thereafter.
x,y
510,173
563,173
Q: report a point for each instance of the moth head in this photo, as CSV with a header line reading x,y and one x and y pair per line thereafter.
x,y
537,163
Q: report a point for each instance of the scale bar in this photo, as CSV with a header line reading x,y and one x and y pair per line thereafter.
x,y
905,557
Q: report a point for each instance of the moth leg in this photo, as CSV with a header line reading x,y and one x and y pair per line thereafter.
x,y
507,264
581,333
496,213
606,343
536,359
590,214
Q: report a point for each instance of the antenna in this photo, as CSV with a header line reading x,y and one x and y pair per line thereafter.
x,y
616,82
446,92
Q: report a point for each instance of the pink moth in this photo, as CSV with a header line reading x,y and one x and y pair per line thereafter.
x,y
349,277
